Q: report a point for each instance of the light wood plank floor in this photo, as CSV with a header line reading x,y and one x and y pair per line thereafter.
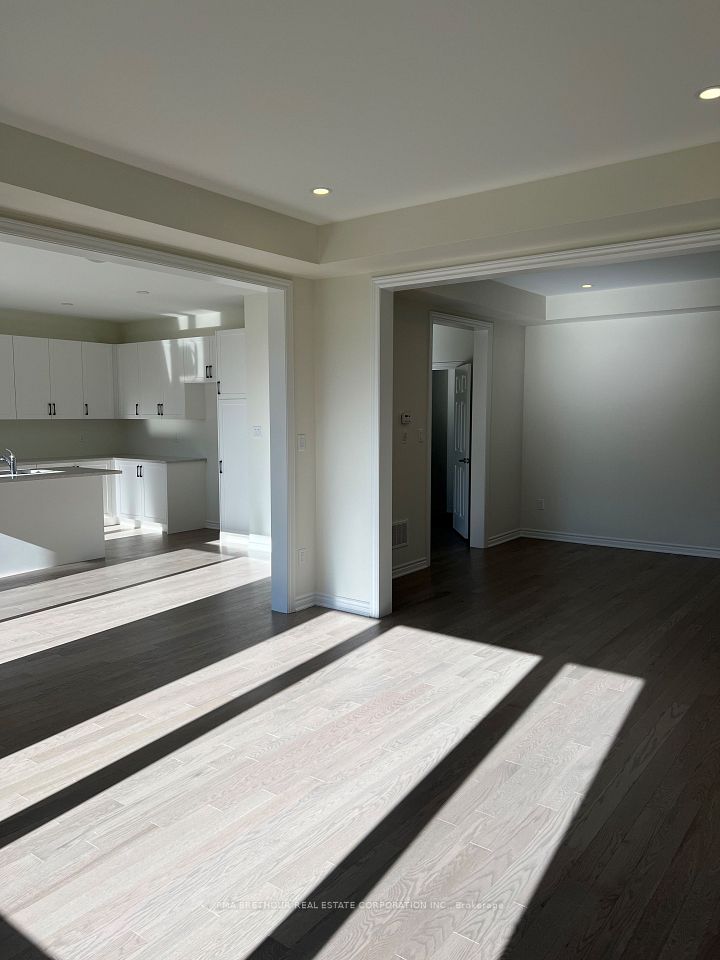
x,y
522,762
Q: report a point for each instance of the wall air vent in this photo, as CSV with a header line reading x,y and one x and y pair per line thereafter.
x,y
400,533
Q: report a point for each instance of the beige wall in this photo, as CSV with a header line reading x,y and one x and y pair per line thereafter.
x,y
343,412
411,361
506,426
184,325
24,323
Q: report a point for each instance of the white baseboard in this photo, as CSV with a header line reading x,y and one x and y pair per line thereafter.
x,y
345,604
651,546
504,537
403,569
305,601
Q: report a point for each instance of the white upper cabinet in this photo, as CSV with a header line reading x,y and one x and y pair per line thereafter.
x,y
128,380
32,378
232,374
7,379
66,379
162,389
199,359
154,376
98,380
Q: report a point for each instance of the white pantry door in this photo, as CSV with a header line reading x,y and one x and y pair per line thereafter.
x,y
461,452
233,466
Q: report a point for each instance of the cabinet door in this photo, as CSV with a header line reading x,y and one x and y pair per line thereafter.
x,y
32,378
231,363
233,456
7,379
154,377
154,478
98,381
130,489
199,364
173,399
128,374
66,384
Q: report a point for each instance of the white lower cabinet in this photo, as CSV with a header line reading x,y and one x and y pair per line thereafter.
x,y
109,485
170,494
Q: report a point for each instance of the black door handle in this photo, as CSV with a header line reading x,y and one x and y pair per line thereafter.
x,y
464,460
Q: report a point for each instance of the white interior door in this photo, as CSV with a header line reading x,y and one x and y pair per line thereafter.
x,y
233,456
98,380
461,451
7,379
32,378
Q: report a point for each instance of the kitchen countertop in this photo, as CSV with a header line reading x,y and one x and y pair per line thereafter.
x,y
61,473
111,457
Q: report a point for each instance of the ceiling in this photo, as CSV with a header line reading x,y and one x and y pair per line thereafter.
x,y
390,102
40,280
699,266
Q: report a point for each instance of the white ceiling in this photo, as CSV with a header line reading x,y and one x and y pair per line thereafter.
x,y
699,266
391,102
40,280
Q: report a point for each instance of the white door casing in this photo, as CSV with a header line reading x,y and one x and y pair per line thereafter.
x,y
461,449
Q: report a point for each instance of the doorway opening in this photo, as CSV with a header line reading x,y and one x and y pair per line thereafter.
x,y
171,363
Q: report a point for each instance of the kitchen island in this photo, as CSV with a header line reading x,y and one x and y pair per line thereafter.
x,y
49,517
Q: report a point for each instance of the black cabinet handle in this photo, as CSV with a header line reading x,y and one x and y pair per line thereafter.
x,y
137,409
141,470
87,412
162,409
54,411
218,388
137,471
220,462
49,409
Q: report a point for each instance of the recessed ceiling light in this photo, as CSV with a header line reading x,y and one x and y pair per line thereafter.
x,y
66,303
586,286
710,93
321,191
142,291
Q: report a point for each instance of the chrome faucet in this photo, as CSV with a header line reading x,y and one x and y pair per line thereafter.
x,y
9,457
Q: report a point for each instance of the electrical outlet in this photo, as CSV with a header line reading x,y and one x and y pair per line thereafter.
x,y
540,503
302,555
257,430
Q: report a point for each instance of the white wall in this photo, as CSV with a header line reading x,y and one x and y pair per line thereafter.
x,y
621,432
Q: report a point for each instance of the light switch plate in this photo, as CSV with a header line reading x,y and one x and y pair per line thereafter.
x,y
301,442
257,430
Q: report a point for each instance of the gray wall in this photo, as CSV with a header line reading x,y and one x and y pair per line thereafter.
x,y
621,435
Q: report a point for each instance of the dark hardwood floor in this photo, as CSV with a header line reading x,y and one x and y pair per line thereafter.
x,y
523,761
